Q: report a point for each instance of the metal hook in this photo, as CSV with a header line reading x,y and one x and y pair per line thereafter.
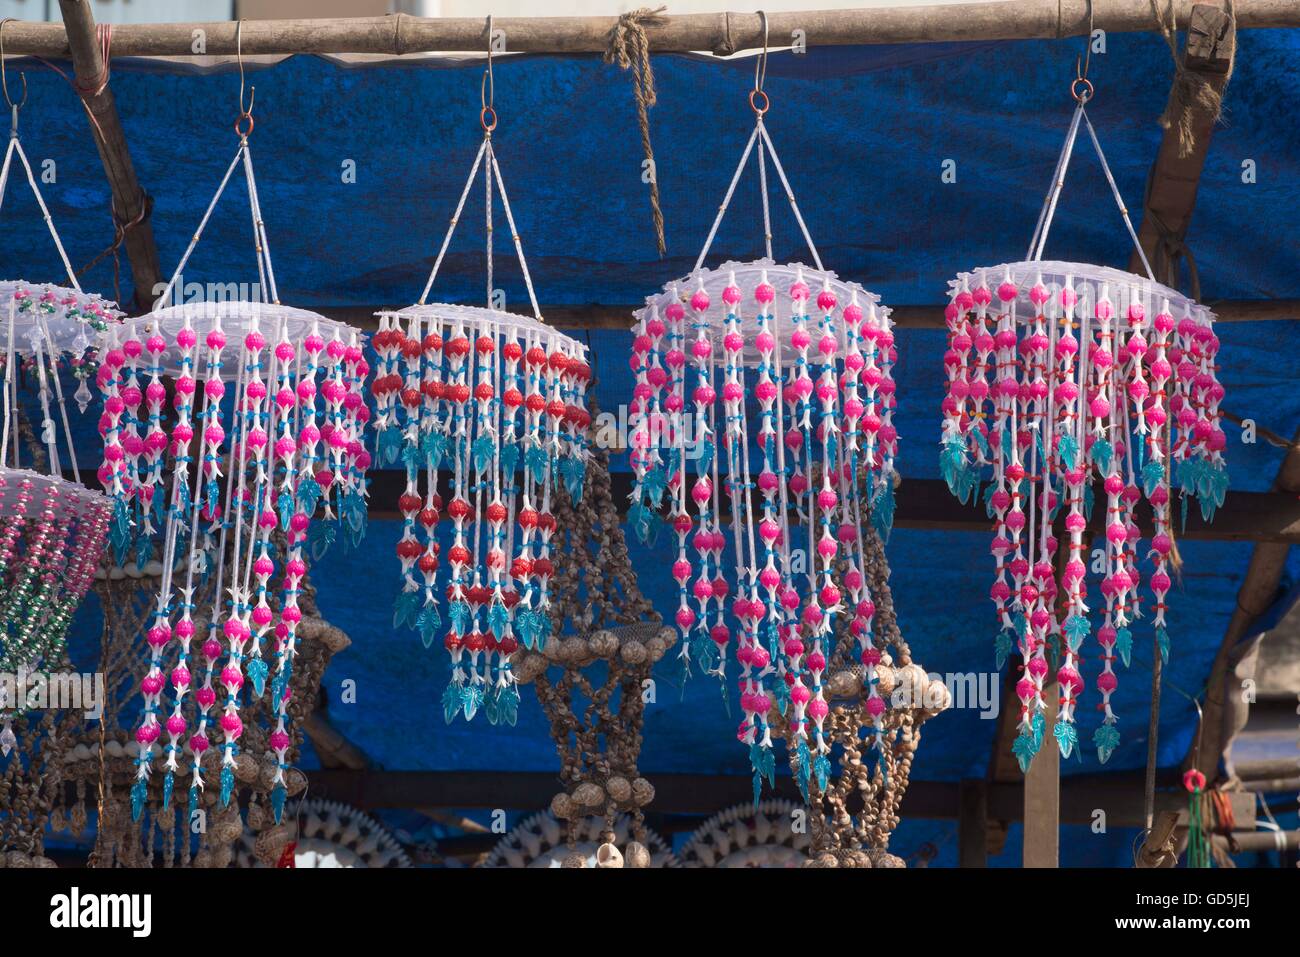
x,y
245,112
4,82
487,88
1081,64
760,74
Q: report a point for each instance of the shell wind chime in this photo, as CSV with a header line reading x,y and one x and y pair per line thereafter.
x,y
1076,391
816,442
245,490
51,530
497,400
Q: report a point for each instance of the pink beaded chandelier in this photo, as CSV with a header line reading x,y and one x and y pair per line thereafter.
x,y
1061,375
241,490
497,400
51,530
773,377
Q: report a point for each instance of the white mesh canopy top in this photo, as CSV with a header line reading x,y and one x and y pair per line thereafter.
x,y
497,402
51,530
1073,387
766,390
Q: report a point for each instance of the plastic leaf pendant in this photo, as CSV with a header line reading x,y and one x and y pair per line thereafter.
x,y
508,706
654,484
1068,449
706,456
451,702
193,805
1024,749
498,618
509,457
782,695
428,624
1153,473
471,697
983,443
1002,646
490,705
543,629
227,784
390,444
257,669
309,493
169,783
411,458
1089,497
278,795
1106,740
1102,452
572,470
320,536
354,510
406,610
535,461
213,492
483,451
143,551
284,506
882,508
1162,639
822,768
459,616
1076,629
138,791
1124,645
952,466
1067,737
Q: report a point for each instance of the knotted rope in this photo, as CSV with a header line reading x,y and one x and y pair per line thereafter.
x,y
1192,93
630,48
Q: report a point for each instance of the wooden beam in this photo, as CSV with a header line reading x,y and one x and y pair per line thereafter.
x,y
722,33
972,825
619,317
1259,589
129,200
1171,193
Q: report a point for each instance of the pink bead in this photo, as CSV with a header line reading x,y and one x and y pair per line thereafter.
x,y
685,618
231,724
818,709
147,734
176,725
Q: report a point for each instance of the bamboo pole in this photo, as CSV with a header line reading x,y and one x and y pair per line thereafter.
x,y
721,33
114,153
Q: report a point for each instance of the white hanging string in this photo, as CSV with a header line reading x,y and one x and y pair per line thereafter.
x,y
1039,241
460,206
198,233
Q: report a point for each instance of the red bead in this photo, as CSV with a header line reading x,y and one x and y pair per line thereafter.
x,y
496,512
458,509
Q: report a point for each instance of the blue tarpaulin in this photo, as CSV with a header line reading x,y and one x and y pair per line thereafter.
x,y
864,134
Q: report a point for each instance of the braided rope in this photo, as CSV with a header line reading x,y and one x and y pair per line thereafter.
x,y
629,48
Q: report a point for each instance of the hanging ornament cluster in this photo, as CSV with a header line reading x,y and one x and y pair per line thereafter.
x,y
497,401
51,530
263,463
766,390
1076,391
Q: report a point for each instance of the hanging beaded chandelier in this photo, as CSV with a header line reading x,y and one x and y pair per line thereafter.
x,y
290,449
498,401
1061,375
817,440
51,529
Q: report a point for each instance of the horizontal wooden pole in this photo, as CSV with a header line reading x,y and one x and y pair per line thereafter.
x,y
722,33
927,504
1118,795
600,316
